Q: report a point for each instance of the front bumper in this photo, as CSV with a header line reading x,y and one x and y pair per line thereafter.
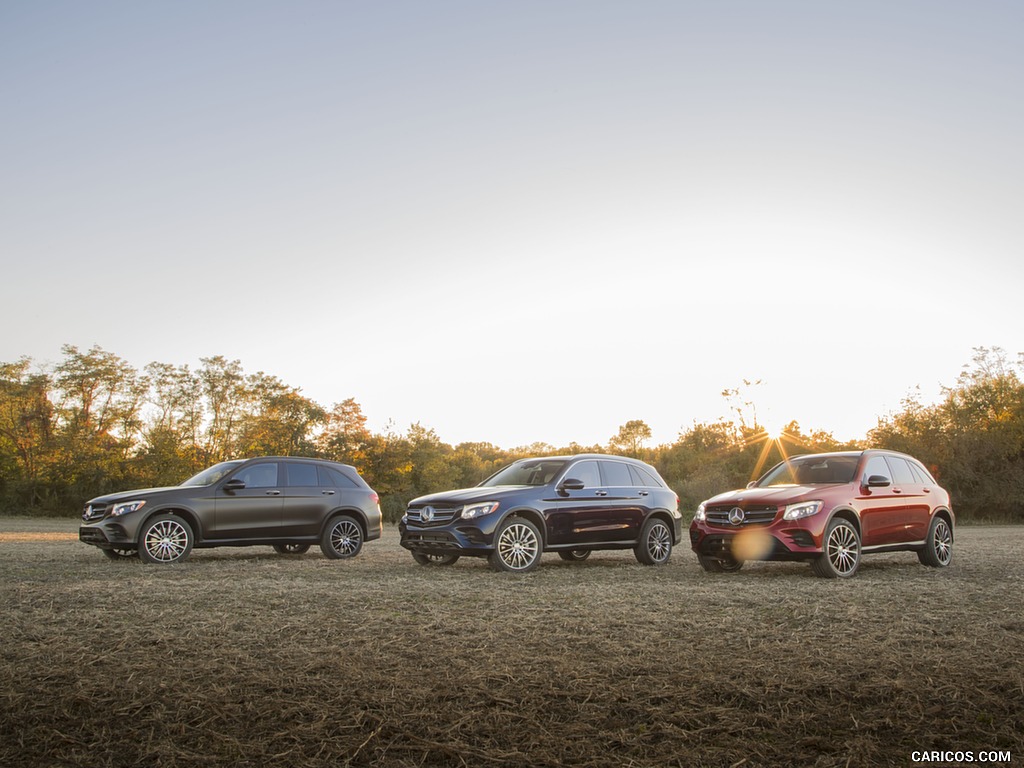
x,y
780,540
453,538
105,535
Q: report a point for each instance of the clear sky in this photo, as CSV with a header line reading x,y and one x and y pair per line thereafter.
x,y
521,221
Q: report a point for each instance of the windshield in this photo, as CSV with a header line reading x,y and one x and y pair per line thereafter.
x,y
811,470
530,472
211,475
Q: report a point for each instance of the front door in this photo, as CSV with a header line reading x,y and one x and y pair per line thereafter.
x,y
253,511
582,516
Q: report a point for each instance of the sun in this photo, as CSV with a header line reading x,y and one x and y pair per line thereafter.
x,y
771,434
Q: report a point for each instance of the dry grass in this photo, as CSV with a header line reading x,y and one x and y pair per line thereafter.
x,y
248,658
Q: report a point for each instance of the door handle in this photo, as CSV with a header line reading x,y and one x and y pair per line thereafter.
x,y
273,493
600,493
645,493
327,493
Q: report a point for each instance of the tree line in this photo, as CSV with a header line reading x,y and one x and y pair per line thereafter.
x,y
93,424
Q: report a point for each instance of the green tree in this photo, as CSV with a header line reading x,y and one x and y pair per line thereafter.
x,y
973,440
26,432
345,436
99,403
630,438
278,421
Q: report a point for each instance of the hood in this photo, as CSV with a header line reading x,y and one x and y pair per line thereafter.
x,y
788,494
467,495
126,495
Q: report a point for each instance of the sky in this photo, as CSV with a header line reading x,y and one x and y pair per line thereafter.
x,y
522,222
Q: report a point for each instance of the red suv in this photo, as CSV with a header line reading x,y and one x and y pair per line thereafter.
x,y
828,509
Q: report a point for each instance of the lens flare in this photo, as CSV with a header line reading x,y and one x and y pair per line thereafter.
x,y
751,544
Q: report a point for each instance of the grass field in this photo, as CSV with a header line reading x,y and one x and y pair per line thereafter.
x,y
248,658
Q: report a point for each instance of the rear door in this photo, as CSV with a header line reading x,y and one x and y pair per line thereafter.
x,y
628,505
252,512
305,501
915,511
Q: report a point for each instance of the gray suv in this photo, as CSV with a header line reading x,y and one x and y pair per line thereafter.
x,y
288,503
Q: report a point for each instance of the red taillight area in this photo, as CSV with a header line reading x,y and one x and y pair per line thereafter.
x,y
375,497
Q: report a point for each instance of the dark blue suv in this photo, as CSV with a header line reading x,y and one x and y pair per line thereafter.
x,y
571,505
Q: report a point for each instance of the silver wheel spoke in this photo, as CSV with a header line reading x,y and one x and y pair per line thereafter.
x,y
943,542
842,549
345,537
658,542
166,541
517,546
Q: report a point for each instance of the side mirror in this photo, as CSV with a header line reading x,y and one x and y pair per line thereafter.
x,y
234,484
570,484
878,481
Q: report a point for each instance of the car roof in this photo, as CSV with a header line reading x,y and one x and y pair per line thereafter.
x,y
576,456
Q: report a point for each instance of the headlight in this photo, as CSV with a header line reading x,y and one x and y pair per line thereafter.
x,y
803,509
700,515
471,511
125,507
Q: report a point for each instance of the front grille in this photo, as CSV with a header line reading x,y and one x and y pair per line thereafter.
x,y
756,515
435,540
94,512
437,515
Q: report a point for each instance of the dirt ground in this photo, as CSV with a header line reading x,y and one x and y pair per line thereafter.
x,y
242,657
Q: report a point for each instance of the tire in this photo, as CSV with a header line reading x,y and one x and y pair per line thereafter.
x,y
841,557
719,565
291,549
938,547
165,539
655,545
574,555
438,560
121,554
342,538
517,546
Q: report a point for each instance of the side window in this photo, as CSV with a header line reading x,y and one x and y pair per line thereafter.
x,y
259,475
301,474
643,478
877,466
901,473
334,478
615,474
921,473
587,472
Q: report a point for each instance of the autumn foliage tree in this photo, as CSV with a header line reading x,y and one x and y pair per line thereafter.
x,y
93,424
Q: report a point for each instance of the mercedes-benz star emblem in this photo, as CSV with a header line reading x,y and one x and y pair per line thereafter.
x,y
736,516
427,514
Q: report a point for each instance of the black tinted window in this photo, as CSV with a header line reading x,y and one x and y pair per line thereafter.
x,y
301,474
643,478
587,472
259,475
615,473
335,478
901,473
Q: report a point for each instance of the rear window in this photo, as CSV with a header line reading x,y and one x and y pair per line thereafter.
x,y
643,478
334,478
